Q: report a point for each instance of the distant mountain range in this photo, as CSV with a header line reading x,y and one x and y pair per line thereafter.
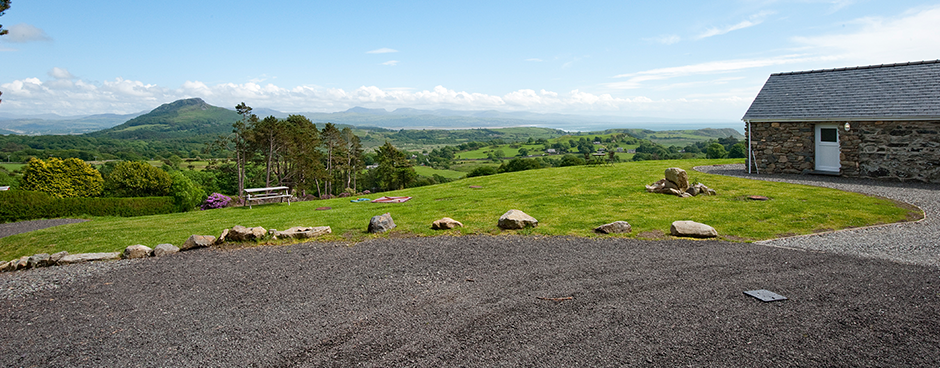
x,y
195,117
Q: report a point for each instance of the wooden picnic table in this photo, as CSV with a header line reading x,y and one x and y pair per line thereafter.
x,y
258,194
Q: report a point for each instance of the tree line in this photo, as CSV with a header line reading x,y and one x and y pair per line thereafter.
x,y
293,152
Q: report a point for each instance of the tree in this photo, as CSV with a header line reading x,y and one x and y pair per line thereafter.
x,y
715,150
738,150
394,171
4,5
306,167
353,160
62,178
186,193
269,139
137,179
332,140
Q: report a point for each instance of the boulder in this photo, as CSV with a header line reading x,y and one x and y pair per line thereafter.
x,y
302,232
198,241
515,219
5,266
136,251
88,257
164,249
381,223
241,233
222,237
616,227
692,229
57,256
39,260
446,223
700,189
20,263
678,177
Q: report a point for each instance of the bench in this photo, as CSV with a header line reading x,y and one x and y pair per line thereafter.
x,y
258,194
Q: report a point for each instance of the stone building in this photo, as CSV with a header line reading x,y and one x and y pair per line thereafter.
x,y
878,121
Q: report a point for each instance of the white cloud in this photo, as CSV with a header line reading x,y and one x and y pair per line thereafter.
x,y
664,39
383,50
26,33
391,63
879,40
724,66
78,97
60,73
753,20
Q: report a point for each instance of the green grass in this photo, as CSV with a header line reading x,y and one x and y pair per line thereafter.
x,y
12,166
429,171
566,201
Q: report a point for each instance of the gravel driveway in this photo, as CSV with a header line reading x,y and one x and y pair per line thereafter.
x,y
479,301
911,242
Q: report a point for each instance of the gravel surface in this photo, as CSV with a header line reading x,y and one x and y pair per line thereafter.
x,y
910,242
475,301
12,228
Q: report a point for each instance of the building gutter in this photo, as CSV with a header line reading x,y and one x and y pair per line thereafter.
x,y
805,120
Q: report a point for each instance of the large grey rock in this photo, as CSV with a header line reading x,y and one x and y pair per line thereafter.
x,y
381,223
446,223
515,219
88,257
20,263
57,256
6,266
616,227
137,251
241,233
165,249
678,177
198,241
221,239
692,229
39,260
302,232
700,189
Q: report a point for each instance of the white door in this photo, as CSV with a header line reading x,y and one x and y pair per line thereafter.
x,y
827,148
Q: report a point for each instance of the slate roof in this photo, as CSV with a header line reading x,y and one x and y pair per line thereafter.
x,y
889,91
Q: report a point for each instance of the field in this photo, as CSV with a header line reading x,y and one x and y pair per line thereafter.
x,y
566,201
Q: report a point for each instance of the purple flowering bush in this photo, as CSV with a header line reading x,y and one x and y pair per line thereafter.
x,y
215,200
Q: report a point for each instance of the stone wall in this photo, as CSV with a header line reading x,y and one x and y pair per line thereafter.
x,y
900,150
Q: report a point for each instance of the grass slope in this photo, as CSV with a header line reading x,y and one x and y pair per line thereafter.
x,y
566,201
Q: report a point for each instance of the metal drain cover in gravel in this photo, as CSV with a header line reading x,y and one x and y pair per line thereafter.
x,y
765,295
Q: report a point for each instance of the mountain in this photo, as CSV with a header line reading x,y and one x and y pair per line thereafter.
x,y
409,118
187,119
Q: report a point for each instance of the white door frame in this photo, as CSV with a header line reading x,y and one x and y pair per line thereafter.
x,y
828,150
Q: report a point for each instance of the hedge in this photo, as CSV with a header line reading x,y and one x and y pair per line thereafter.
x,y
19,205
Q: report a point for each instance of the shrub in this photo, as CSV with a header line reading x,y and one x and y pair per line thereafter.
x,y
137,179
186,193
482,171
216,200
715,150
19,205
61,178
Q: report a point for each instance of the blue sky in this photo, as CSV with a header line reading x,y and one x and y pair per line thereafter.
x,y
675,59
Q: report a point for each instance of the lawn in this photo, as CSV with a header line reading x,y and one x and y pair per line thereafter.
x,y
566,201
430,171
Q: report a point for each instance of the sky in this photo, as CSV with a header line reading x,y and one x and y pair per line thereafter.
x,y
697,60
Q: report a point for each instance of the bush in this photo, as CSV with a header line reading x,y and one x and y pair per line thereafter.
x,y
216,200
137,179
482,171
738,150
61,178
20,205
186,193
715,150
